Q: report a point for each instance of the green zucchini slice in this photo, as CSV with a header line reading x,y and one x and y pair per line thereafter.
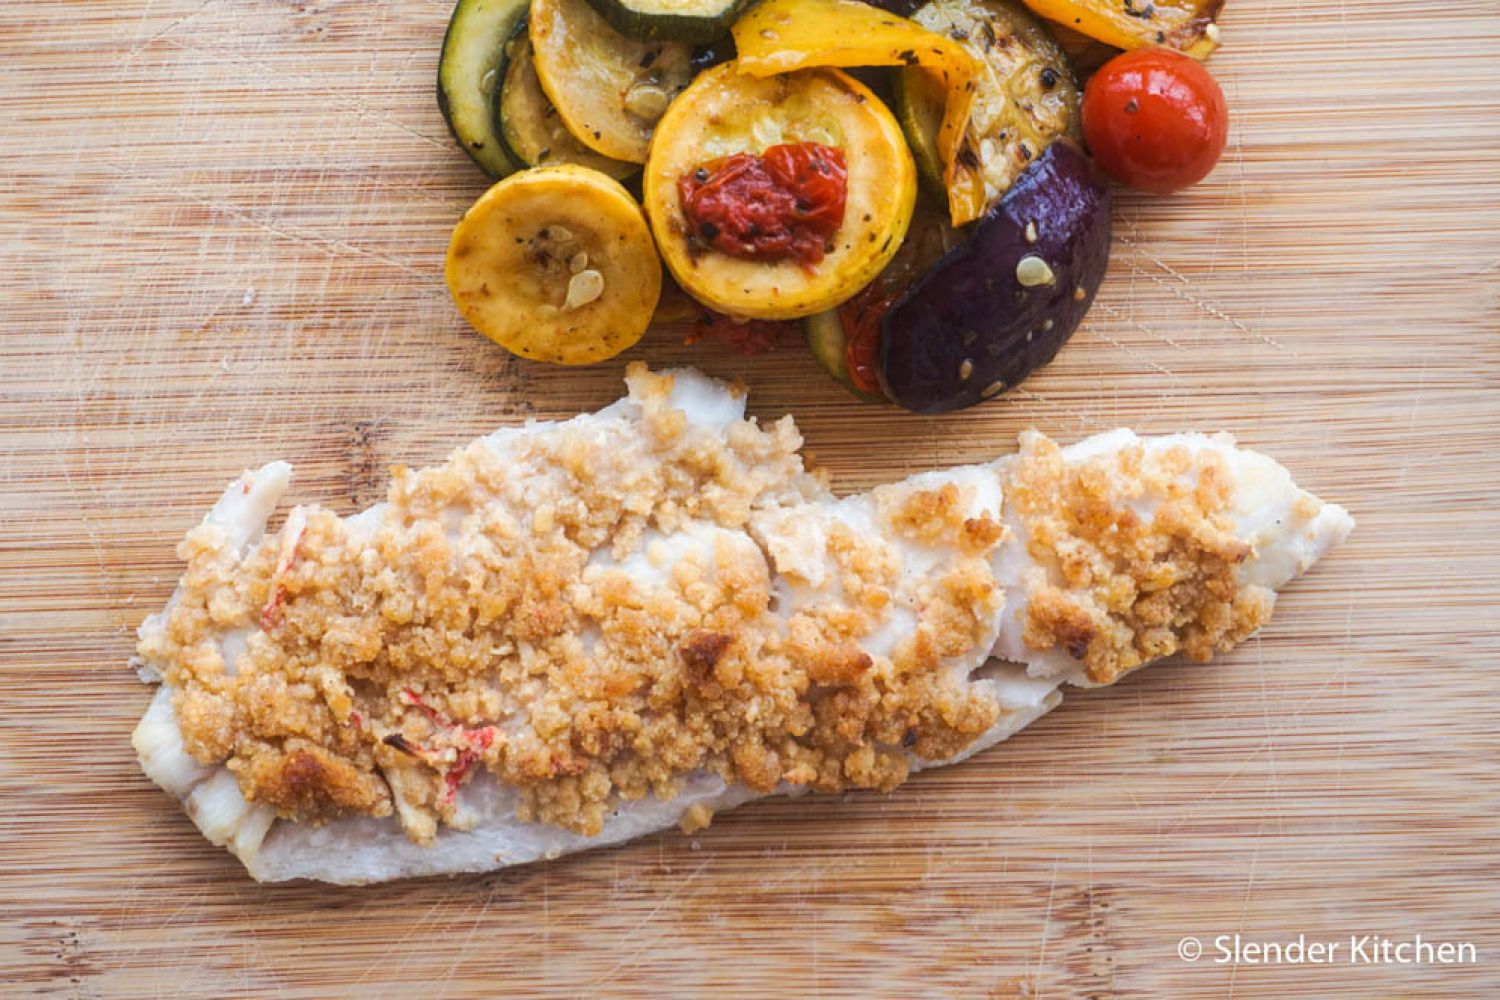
x,y
1027,95
529,125
919,109
828,344
610,90
469,73
671,20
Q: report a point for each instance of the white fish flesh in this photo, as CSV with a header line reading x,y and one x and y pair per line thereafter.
x,y
577,633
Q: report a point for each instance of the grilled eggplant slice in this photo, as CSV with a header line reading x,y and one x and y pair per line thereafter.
x,y
610,90
556,264
529,125
469,73
928,238
1001,303
671,20
725,112
1026,96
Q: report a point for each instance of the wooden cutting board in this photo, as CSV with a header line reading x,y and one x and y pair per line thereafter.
x,y
222,225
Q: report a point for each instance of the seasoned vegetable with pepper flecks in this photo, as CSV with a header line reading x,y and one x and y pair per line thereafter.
x,y
1186,25
609,89
555,264
1025,97
1001,303
728,117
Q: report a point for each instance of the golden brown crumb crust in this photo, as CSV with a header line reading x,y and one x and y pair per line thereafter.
x,y
580,613
1126,589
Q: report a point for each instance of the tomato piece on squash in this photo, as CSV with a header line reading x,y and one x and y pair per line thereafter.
x,y
726,112
779,36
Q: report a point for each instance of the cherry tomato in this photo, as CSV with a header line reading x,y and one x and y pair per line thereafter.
x,y
860,318
1155,119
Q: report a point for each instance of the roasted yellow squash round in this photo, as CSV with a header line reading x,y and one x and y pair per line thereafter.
x,y
725,112
555,264
608,89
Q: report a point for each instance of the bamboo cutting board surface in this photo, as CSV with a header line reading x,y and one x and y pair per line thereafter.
x,y
222,225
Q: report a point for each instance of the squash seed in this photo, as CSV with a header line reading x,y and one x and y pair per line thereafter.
x,y
647,101
583,288
1031,271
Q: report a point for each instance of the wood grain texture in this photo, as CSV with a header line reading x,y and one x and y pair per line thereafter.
x,y
222,225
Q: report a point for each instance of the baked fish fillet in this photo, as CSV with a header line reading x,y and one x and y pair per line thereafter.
x,y
576,633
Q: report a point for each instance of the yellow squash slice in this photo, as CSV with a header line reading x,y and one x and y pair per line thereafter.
x,y
1187,25
555,264
609,90
779,36
725,112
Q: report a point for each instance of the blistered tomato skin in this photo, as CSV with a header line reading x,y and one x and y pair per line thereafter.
x,y
860,318
1155,119
784,203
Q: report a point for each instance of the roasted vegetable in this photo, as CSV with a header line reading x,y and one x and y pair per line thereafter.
x,y
1000,304
1155,119
468,73
1186,25
829,344
529,125
609,89
918,103
556,264
726,112
1025,97
846,340
779,36
671,20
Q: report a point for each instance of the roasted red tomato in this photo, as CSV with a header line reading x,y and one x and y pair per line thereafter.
x,y
785,202
1155,119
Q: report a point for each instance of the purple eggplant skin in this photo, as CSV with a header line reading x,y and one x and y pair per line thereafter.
x,y
969,329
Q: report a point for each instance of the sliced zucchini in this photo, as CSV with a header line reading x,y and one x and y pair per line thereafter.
x,y
671,20
826,341
609,89
528,124
468,72
726,112
919,108
555,264
1025,96
829,346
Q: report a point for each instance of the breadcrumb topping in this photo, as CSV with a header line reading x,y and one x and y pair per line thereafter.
x,y
1124,584
580,612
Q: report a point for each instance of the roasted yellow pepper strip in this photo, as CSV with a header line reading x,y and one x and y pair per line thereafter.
x,y
1186,25
780,36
